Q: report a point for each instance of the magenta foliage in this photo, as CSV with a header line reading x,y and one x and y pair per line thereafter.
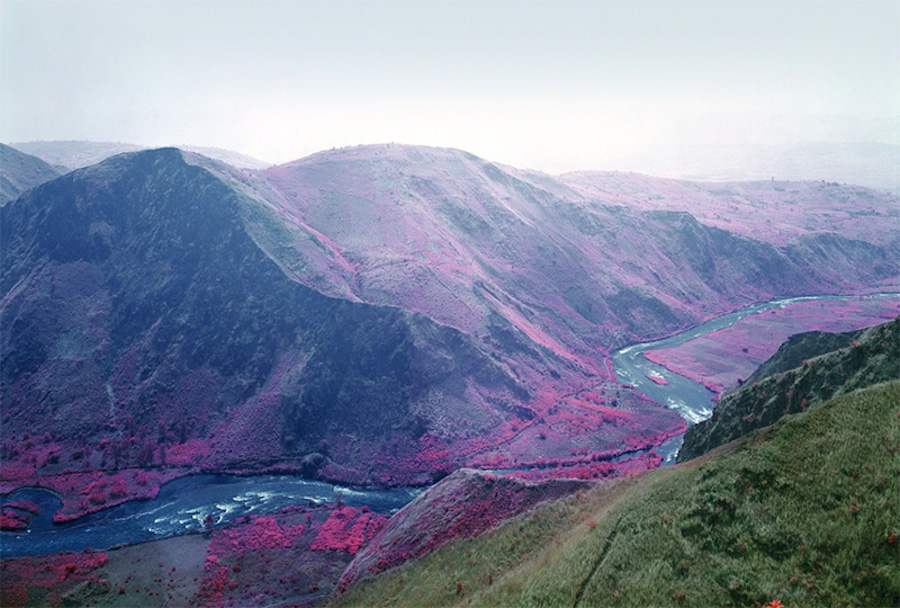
x,y
348,529
719,359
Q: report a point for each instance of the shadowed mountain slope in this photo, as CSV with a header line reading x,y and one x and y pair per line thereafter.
x,y
20,172
139,308
800,347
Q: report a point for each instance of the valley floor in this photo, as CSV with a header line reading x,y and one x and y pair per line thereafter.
x,y
293,557
721,359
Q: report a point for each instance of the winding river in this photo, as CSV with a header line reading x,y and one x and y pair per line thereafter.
x,y
180,508
693,401
181,505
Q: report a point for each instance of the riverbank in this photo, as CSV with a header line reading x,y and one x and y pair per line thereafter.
x,y
606,412
291,523
685,392
293,556
720,360
188,505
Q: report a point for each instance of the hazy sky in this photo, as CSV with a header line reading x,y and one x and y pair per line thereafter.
x,y
549,85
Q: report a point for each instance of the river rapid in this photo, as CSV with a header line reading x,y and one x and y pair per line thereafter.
x,y
182,505
180,508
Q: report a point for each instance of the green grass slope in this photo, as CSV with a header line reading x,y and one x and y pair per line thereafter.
x,y
874,358
806,511
799,348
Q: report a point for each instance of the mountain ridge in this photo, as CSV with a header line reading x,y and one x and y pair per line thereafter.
x,y
147,306
424,185
69,155
20,172
455,313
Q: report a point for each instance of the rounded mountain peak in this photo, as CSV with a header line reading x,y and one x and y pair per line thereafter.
x,y
386,151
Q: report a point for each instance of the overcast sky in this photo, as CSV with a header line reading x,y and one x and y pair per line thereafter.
x,y
548,85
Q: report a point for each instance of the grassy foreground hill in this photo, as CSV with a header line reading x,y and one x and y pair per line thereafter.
x,y
806,511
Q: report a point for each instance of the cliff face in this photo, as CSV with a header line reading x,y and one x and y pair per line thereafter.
x,y
863,358
794,352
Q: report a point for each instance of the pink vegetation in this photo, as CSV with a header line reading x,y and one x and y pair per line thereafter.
x,y
87,479
718,360
17,515
463,505
260,534
10,519
89,492
257,536
292,557
348,529
596,421
101,490
50,575
658,379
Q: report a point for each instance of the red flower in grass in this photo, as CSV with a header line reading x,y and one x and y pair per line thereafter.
x,y
774,604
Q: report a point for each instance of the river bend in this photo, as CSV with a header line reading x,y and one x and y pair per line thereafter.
x,y
181,505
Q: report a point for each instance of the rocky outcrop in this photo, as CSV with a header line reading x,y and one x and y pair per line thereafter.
x,y
799,348
462,505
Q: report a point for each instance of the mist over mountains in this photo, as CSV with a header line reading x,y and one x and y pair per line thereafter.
x,y
873,164
69,155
